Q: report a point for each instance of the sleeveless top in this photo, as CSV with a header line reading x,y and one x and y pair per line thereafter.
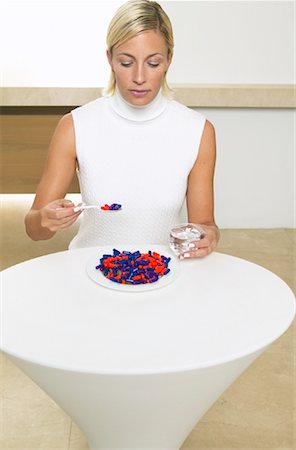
x,y
139,157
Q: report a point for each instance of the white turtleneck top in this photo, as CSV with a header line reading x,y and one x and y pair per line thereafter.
x,y
139,157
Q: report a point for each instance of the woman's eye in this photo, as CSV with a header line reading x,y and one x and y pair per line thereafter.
x,y
126,63
153,64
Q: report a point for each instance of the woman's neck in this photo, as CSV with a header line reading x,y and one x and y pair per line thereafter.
x,y
138,113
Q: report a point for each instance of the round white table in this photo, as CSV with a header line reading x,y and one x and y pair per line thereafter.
x,y
118,353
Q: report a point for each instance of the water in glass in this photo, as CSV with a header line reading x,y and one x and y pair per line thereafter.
x,y
183,237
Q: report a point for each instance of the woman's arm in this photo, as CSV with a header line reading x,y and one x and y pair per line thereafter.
x,y
50,212
200,193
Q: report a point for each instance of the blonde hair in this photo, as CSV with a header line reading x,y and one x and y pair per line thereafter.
x,y
132,18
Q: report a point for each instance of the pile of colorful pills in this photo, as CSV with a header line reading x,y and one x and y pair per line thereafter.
x,y
134,267
113,207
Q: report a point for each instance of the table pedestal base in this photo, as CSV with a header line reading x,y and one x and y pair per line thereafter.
x,y
136,411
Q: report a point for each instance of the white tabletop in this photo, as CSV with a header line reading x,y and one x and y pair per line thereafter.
x,y
217,309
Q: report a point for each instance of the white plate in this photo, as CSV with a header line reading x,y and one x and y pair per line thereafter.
x,y
97,276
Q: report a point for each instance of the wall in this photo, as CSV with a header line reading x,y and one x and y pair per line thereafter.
x,y
62,43
255,172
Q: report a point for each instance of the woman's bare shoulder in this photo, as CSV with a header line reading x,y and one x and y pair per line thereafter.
x,y
209,130
207,148
64,136
66,124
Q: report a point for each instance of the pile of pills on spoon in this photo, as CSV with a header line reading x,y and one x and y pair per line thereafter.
x,y
113,207
134,267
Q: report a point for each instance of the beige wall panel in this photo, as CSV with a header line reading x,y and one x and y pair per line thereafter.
x,y
192,95
25,140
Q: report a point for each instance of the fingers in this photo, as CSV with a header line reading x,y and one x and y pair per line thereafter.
x,y
202,248
200,253
58,215
54,224
68,224
62,205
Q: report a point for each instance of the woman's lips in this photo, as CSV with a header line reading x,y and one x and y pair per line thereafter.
x,y
138,92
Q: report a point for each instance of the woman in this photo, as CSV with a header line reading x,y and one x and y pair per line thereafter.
x,y
134,146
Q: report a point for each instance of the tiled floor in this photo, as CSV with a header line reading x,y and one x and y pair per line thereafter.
x,y
256,412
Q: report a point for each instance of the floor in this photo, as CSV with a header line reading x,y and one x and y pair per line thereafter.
x,y
256,412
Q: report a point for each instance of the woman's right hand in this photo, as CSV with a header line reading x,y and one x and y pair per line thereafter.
x,y
58,215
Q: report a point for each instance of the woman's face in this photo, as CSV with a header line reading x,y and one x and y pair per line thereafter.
x,y
139,66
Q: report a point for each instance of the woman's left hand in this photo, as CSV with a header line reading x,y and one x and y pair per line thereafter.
x,y
206,244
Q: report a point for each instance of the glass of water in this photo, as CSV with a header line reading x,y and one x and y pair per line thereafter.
x,y
183,237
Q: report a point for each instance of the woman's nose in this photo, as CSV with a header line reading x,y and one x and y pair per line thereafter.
x,y
139,75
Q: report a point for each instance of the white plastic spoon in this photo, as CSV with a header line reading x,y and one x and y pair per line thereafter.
x,y
82,207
